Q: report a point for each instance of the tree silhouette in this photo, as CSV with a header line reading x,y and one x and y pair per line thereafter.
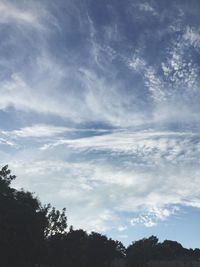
x,y
5,176
32,234
24,224
141,251
56,221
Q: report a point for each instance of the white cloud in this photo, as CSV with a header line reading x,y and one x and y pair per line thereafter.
x,y
93,97
145,220
153,216
46,130
11,13
38,93
3,141
98,177
137,63
38,130
143,172
18,15
52,91
180,72
192,36
152,147
154,85
151,79
122,228
147,8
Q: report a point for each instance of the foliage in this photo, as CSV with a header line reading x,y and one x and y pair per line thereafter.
x,y
149,249
5,176
56,221
24,223
35,235
141,251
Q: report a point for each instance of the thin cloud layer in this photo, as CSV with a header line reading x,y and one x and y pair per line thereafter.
x,y
99,108
152,169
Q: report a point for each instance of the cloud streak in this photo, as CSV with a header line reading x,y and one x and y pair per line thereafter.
x,y
153,170
11,14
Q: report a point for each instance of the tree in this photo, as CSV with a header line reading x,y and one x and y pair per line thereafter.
x,y
172,250
22,224
56,221
76,248
102,251
25,224
32,234
142,251
5,176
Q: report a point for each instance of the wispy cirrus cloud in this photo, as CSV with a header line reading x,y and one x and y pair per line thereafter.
x,y
192,36
103,105
153,170
151,80
12,14
102,188
145,6
32,15
148,146
37,131
96,96
45,130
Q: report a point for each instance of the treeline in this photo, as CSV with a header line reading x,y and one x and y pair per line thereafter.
x,y
32,234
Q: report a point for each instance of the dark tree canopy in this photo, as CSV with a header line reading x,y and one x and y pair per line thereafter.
x,y
5,176
35,235
56,221
149,249
24,223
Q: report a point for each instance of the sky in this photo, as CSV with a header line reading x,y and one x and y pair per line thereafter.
x,y
99,112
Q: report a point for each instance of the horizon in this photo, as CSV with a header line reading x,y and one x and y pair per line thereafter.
x,y
99,112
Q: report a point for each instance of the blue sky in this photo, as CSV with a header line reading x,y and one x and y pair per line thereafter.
x,y
99,112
